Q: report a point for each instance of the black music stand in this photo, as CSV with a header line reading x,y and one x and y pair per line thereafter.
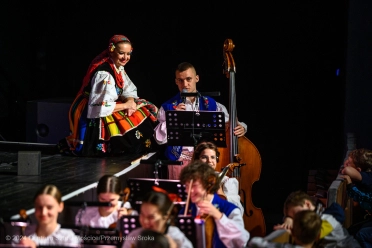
x,y
128,223
140,186
187,128
193,231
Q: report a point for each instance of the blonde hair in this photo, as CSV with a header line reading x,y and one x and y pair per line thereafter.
x,y
51,190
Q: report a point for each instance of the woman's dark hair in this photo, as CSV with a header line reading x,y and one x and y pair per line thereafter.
x,y
199,170
159,199
109,184
201,147
153,239
51,190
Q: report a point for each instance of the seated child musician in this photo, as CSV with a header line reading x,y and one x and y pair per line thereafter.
x,y
109,191
202,183
48,204
156,214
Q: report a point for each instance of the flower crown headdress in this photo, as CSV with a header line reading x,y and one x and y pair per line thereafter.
x,y
115,39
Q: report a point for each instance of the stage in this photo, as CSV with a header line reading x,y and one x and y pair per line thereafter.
x,y
76,177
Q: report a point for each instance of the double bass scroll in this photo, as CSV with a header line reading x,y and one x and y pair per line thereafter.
x,y
242,151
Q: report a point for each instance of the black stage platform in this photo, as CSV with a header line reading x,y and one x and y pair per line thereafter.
x,y
74,176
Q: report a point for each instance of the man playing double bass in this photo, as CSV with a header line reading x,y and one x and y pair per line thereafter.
x,y
186,79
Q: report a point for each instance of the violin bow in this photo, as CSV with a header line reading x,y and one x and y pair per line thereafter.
x,y
188,198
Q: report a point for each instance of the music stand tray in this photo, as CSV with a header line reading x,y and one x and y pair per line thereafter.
x,y
187,128
128,223
193,231
139,187
186,224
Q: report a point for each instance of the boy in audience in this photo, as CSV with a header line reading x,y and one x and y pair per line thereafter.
x,y
307,225
358,166
332,234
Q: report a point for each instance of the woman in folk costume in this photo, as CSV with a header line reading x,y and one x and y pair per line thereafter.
x,y
107,117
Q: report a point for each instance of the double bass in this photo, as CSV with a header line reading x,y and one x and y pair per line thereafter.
x,y
243,152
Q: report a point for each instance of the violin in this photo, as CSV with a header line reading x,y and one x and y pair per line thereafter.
x,y
24,218
22,222
125,196
227,170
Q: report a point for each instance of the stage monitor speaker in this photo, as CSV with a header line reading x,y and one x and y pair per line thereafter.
x,y
47,120
29,163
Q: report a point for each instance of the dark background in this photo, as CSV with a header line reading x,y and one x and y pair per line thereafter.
x,y
302,69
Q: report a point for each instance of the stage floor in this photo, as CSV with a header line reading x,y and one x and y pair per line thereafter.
x,y
69,174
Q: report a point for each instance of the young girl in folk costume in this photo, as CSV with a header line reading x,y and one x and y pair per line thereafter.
x,y
207,152
48,204
107,117
108,190
156,214
202,183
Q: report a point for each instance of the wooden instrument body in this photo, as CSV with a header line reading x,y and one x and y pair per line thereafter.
x,y
253,217
241,150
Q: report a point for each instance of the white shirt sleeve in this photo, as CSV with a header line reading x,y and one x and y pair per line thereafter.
x,y
60,237
231,229
130,89
222,108
179,237
160,131
103,96
230,187
92,218
174,232
131,238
